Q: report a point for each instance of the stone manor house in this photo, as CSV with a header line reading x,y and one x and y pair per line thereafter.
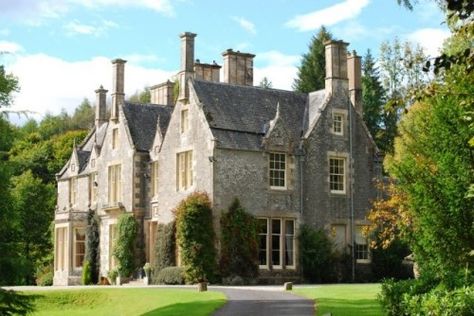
x,y
291,158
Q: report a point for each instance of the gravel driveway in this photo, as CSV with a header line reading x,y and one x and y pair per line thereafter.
x,y
262,302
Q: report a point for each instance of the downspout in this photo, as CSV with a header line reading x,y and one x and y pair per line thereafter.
x,y
300,163
351,196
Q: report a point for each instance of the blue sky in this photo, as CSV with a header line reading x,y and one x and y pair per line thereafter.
x,y
61,49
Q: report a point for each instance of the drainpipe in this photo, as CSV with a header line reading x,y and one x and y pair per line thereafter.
x,y
300,155
351,196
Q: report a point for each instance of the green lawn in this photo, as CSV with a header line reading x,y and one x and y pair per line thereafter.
x,y
152,301
344,299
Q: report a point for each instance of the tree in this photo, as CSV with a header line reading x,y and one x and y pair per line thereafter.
x,y
373,97
312,71
123,250
195,236
143,96
401,75
239,249
84,116
92,255
33,202
8,85
265,83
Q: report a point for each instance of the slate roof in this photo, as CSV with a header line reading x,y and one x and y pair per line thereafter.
x,y
239,115
142,122
83,157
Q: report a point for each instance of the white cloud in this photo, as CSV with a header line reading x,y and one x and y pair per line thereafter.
x,y
10,47
75,27
329,16
279,68
431,39
33,12
245,24
49,84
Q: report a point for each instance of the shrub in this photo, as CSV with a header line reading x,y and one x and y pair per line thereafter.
x,y
112,276
395,294
12,303
195,235
165,248
44,274
239,249
170,275
92,255
127,229
316,255
86,273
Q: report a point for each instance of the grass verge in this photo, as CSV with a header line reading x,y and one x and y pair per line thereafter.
x,y
152,301
344,299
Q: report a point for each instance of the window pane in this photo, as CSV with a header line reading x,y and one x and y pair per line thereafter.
x,y
276,244
262,238
336,174
277,169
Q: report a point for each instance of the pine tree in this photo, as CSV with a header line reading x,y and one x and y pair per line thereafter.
x,y
312,71
373,96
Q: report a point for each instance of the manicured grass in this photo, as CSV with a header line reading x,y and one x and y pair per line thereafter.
x,y
152,301
344,299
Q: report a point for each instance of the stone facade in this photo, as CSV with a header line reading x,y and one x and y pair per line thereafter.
x,y
291,159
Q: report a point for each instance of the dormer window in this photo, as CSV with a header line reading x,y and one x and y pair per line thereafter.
x,y
184,121
115,139
338,123
277,170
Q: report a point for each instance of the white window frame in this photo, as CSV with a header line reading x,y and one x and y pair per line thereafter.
x,y
114,184
342,247
72,191
344,174
184,120
359,234
270,169
340,129
264,266
184,170
74,255
292,266
115,136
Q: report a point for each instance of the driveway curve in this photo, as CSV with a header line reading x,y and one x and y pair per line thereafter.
x,y
263,302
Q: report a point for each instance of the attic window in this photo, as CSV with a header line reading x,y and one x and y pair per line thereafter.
x,y
184,121
338,123
73,167
115,138
277,168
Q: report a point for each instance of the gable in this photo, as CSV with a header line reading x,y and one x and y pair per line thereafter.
x,y
239,116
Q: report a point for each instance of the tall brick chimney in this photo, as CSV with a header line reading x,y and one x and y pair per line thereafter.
x,y
118,95
238,68
355,87
187,64
100,107
208,72
162,93
336,66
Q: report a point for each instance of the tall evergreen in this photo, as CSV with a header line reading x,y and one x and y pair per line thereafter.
x,y
373,96
312,71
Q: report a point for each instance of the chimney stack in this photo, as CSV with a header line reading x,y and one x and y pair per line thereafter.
x,y
187,63
100,107
336,66
238,68
162,93
354,74
118,95
208,72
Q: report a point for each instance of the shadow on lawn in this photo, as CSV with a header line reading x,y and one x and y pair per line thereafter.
x,y
369,307
190,308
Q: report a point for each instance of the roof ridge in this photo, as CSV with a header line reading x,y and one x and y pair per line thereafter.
x,y
249,87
